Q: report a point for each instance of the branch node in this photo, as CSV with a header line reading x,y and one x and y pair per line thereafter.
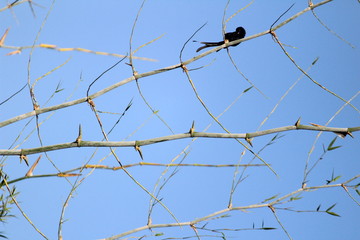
x,y
91,102
36,106
345,188
272,208
184,68
135,73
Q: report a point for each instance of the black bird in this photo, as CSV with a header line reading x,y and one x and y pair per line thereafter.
x,y
231,36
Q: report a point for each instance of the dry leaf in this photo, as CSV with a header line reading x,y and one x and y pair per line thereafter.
x,y
13,53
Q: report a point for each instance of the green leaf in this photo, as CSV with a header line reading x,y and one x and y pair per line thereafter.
x,y
295,198
333,148
331,207
59,90
332,213
318,208
270,198
2,236
247,89
330,147
336,178
316,59
357,191
159,234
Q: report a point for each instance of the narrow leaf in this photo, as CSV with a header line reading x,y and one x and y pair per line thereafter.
x,y
357,191
247,89
295,198
270,198
333,148
318,208
336,178
330,147
332,206
332,213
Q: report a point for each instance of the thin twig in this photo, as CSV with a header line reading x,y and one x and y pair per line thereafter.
x,y
306,167
285,94
280,223
20,209
226,210
307,75
327,28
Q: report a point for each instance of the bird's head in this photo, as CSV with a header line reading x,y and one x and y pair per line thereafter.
x,y
241,31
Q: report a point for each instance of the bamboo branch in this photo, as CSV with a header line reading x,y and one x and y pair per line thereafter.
x,y
154,72
29,151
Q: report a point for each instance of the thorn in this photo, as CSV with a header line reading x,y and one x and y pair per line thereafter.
x,y
30,172
192,129
13,53
2,39
138,149
344,134
316,125
248,140
24,157
310,3
298,122
79,138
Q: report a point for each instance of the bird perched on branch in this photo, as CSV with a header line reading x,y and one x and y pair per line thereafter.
x,y
231,36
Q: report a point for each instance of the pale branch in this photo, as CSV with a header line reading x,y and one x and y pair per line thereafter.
x,y
154,72
276,201
29,151
74,172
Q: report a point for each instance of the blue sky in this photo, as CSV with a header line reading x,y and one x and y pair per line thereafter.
x,y
108,203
